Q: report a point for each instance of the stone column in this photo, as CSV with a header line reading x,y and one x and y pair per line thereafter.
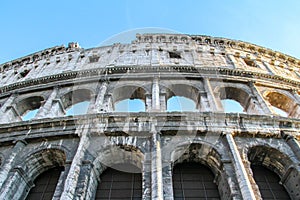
x,y
242,177
264,105
213,104
99,103
57,109
108,105
156,166
73,175
85,182
155,95
91,106
204,103
227,182
10,161
148,102
46,108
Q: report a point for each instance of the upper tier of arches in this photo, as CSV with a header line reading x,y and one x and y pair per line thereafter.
x,y
151,95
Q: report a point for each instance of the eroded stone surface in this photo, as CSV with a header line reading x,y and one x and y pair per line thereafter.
x,y
153,69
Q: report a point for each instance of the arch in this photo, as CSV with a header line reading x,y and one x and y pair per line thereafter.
x,y
237,95
119,184
232,106
119,153
45,184
199,153
29,106
42,160
76,101
129,95
130,105
182,97
197,159
79,108
286,105
119,157
268,160
268,183
32,166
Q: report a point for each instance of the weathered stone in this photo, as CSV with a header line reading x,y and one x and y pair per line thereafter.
x,y
153,69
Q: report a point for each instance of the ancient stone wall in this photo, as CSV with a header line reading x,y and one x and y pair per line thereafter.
x,y
152,69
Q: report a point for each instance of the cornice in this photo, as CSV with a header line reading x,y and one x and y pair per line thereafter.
x,y
242,125
115,72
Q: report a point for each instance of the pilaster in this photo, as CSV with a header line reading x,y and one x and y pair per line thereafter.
x,y
46,108
156,166
264,105
242,177
73,175
99,102
213,104
155,95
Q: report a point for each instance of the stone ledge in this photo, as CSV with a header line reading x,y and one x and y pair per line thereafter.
x,y
139,124
108,73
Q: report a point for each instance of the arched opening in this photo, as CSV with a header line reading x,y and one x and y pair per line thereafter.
x,y
281,104
77,102
129,99
268,166
29,107
80,108
115,184
130,105
45,184
182,97
232,106
194,172
279,111
268,183
194,181
179,103
33,165
234,100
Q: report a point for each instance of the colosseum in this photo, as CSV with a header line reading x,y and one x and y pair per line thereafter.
x,y
151,119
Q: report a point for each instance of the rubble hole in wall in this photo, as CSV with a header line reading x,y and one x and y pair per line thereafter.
x,y
173,54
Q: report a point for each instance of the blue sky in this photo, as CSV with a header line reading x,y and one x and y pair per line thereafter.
x,y
31,25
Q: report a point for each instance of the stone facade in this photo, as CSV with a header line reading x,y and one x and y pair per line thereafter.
x,y
153,69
